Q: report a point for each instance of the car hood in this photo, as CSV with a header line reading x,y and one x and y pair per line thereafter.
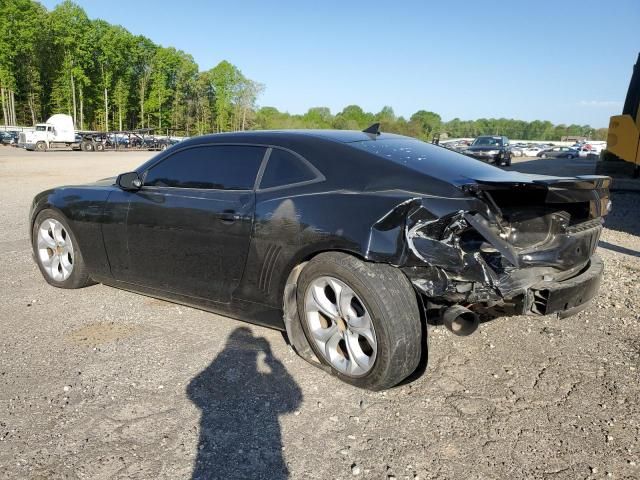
x,y
105,182
482,148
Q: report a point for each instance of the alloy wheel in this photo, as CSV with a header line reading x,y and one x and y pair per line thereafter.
x,y
340,326
55,249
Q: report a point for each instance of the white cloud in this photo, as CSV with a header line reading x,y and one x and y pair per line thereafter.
x,y
599,103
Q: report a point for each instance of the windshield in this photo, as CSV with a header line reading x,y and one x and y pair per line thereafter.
x,y
488,142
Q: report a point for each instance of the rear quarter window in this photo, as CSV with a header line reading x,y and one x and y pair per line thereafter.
x,y
284,168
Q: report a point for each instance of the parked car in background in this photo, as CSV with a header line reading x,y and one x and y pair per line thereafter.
x,y
532,150
590,147
517,151
559,152
9,137
490,149
585,151
164,143
456,145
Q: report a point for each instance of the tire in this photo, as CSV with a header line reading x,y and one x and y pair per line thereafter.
x,y
569,156
544,155
382,296
86,146
41,147
99,147
78,276
163,147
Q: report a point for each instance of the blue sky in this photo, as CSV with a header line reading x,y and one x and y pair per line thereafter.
x,y
568,61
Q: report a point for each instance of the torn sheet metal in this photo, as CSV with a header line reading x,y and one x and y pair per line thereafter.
x,y
490,250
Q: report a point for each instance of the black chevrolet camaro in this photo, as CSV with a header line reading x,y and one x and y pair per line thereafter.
x,y
348,241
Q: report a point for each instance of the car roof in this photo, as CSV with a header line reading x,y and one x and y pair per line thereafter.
x,y
340,136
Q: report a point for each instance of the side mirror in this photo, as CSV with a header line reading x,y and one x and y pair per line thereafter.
x,y
129,181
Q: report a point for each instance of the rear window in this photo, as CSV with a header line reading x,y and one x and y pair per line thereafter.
x,y
432,160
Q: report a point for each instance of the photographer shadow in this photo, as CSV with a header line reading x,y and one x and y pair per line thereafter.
x,y
241,394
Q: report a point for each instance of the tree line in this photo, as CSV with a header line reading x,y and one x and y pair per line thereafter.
x,y
422,124
107,78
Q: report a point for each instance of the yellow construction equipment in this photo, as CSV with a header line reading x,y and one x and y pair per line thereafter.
x,y
622,156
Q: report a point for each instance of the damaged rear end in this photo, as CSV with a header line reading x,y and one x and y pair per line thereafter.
x,y
509,248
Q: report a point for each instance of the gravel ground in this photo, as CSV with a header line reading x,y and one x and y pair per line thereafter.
x,y
101,383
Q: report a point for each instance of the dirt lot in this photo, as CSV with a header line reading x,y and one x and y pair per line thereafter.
x,y
101,383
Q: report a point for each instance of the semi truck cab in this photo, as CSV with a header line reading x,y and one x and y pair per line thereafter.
x,y
57,132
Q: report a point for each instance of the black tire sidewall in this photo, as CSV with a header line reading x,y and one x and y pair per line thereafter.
x,y
375,378
75,280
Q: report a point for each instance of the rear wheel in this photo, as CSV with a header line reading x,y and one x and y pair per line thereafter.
x,y
57,252
544,155
569,156
361,319
99,147
86,146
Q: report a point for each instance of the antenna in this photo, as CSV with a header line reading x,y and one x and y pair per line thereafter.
x,y
374,129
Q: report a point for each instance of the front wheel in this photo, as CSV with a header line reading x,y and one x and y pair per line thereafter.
x,y
361,319
569,156
544,155
41,146
57,252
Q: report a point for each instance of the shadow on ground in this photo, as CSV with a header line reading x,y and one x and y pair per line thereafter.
x,y
619,249
241,394
625,214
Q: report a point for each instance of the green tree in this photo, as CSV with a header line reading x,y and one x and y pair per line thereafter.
x,y
225,79
70,29
428,123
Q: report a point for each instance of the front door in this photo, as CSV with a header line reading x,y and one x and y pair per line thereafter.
x,y
189,227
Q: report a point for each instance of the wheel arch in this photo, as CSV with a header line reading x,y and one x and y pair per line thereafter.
x,y
288,294
293,329
37,209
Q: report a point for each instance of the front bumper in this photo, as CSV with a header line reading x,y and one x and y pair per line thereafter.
x,y
568,296
493,158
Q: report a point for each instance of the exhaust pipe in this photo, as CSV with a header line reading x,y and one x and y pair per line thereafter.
x,y
460,320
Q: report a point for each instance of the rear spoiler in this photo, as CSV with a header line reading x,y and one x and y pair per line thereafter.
x,y
581,182
585,188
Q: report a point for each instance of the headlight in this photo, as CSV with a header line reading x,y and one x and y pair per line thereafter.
x,y
493,152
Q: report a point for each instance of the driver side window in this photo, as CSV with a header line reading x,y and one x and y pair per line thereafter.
x,y
220,167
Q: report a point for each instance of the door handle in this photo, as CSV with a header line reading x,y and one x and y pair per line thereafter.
x,y
229,216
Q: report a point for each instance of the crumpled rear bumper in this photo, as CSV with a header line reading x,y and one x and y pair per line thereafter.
x,y
568,296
